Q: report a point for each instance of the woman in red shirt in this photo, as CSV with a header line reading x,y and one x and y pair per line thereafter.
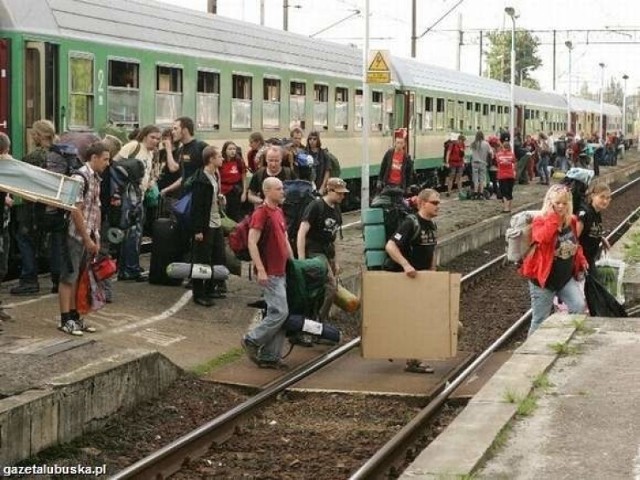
x,y
233,174
506,162
455,163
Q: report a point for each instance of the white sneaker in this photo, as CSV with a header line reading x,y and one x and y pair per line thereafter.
x,y
72,328
84,327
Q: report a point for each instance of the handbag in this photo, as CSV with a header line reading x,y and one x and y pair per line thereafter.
x,y
182,209
104,267
152,197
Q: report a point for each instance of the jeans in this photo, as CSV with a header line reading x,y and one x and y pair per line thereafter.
x,y
269,334
56,245
543,171
130,251
28,261
542,301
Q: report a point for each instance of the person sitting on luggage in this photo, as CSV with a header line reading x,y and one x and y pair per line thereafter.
x,y
557,261
208,246
413,248
263,344
590,229
317,235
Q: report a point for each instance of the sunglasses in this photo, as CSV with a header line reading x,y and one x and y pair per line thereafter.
x,y
434,202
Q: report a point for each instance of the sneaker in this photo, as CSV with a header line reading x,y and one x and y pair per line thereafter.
x,y
251,349
25,289
84,327
273,364
71,327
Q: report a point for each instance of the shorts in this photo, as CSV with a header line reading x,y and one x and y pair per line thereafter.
x,y
456,170
72,257
479,173
506,188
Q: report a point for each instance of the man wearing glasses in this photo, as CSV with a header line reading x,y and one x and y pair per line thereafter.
x,y
413,247
317,234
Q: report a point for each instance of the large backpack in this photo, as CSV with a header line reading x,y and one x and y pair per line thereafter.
x,y
381,222
518,235
306,281
334,164
578,180
239,239
62,158
298,194
126,175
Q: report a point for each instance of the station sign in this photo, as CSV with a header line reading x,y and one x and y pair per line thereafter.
x,y
379,69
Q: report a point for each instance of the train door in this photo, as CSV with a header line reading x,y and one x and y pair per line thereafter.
x,y
41,88
5,84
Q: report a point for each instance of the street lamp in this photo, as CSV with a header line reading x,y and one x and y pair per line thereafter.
x,y
602,127
512,13
570,47
624,105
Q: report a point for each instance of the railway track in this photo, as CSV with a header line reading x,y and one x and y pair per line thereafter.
x,y
172,457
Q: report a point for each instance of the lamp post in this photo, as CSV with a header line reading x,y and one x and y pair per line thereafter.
x,y
602,127
570,47
512,114
624,105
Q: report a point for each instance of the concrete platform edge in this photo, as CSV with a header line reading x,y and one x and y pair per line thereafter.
x,y
80,402
464,445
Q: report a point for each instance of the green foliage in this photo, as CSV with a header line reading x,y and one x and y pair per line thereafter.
x,y
511,397
581,326
541,382
499,57
527,406
224,359
632,248
563,349
119,132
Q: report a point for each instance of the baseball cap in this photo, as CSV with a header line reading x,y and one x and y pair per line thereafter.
x,y
337,185
303,159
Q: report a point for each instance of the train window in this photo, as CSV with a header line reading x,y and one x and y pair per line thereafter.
x,y
342,109
208,101
297,98
321,106
123,93
357,100
428,113
451,115
377,99
241,101
460,114
168,94
271,103
81,92
440,114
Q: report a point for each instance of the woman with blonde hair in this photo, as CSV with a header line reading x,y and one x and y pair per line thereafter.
x,y
556,261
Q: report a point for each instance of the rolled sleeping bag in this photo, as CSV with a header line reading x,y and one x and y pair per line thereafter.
x,y
197,271
298,323
345,300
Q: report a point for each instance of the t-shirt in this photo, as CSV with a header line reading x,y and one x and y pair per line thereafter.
x,y
592,233
231,174
420,252
505,160
138,150
456,155
481,155
562,268
395,172
255,185
190,157
324,222
273,241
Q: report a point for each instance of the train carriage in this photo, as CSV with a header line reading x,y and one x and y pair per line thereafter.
x,y
84,64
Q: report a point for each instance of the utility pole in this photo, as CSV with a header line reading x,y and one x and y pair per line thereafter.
x,y
262,12
413,28
285,15
212,6
554,60
459,51
480,62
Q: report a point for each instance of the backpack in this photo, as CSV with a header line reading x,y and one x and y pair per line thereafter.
x,y
298,194
125,176
578,180
239,239
380,223
518,235
334,164
62,158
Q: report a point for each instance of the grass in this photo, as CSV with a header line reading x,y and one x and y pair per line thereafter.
x,y
528,405
511,397
224,359
541,382
564,349
632,249
581,326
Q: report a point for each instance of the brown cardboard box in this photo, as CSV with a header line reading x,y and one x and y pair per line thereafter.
x,y
406,317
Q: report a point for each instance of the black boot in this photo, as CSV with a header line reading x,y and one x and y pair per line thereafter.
x,y
26,288
200,295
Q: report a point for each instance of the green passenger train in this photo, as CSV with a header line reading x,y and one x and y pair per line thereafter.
x,y
87,63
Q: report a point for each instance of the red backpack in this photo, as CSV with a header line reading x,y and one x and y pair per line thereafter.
x,y
239,239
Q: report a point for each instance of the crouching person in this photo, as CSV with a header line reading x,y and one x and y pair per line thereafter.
x,y
556,261
269,249
83,237
413,248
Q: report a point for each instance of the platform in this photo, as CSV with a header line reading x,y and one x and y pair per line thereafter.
x,y
146,318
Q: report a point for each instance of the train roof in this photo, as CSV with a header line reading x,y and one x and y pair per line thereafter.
x,y
538,98
579,104
157,26
417,74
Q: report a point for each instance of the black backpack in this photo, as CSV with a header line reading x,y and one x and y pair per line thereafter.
x,y
298,195
62,158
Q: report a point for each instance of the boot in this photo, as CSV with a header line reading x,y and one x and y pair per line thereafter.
x,y
200,295
55,280
25,288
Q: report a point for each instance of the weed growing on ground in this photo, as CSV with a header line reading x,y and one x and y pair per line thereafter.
x,y
224,359
581,326
541,382
511,397
528,405
564,349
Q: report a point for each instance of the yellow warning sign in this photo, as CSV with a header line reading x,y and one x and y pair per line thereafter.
x,y
378,64
378,77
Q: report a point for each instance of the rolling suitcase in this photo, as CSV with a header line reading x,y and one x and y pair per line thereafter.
x,y
165,249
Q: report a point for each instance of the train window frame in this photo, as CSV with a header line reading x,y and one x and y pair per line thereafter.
x,y
440,113
320,106
297,103
241,106
428,120
132,91
341,108
451,113
88,95
208,101
173,97
376,109
358,101
271,107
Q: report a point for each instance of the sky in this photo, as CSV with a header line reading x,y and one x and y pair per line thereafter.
x,y
390,29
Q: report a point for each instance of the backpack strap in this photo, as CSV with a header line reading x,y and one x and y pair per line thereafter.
x,y
136,151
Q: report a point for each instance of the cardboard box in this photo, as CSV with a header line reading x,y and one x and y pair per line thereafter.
x,y
406,317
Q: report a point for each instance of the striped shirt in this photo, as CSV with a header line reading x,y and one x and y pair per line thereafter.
x,y
89,200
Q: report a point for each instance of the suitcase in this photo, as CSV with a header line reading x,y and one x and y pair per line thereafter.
x,y
165,249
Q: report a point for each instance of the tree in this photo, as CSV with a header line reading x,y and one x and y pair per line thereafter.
x,y
499,57
614,92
